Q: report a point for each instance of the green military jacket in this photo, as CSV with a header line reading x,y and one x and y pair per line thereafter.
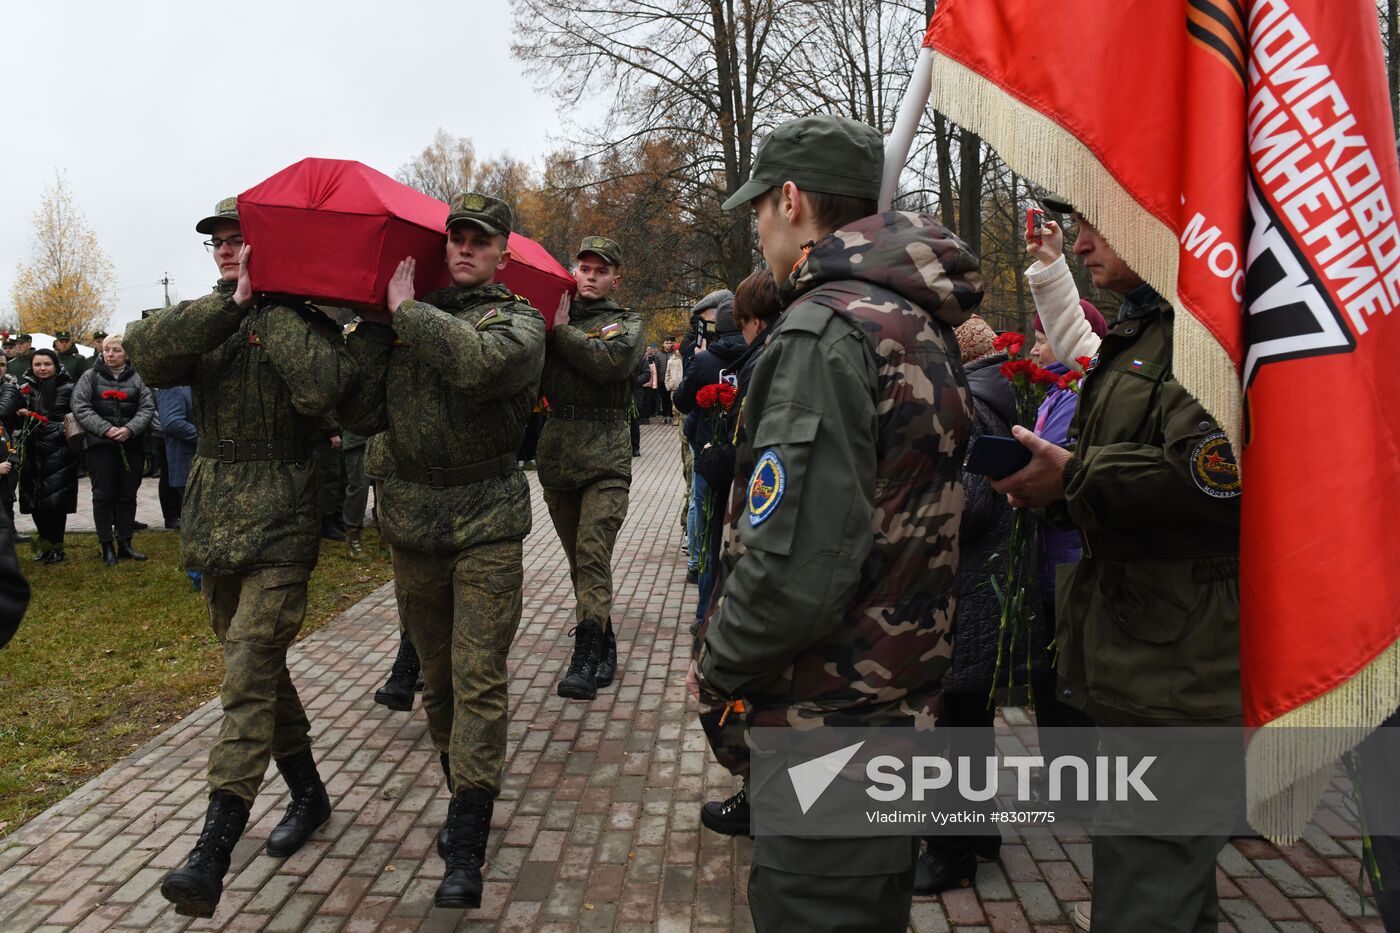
x,y
452,383
74,362
1148,620
271,373
588,372
840,566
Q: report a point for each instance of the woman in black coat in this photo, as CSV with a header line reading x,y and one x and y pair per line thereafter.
x,y
48,482
116,409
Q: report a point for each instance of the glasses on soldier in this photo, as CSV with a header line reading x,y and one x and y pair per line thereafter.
x,y
214,242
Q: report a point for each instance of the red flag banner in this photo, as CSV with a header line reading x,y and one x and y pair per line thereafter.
x,y
1239,154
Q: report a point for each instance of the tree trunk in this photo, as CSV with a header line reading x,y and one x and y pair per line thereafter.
x,y
970,191
1392,61
944,152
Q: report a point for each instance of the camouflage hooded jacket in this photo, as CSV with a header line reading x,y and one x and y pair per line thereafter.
x,y
452,383
590,364
267,374
839,594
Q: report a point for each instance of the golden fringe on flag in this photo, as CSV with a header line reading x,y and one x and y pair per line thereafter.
x,y
1037,147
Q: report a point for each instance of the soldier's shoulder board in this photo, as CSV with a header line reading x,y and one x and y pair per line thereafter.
x,y
491,318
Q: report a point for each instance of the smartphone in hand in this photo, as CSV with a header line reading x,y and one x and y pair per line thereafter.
x,y
1035,225
995,456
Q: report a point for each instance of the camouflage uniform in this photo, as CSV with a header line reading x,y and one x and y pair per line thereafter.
x,y
840,559
584,456
261,380
452,383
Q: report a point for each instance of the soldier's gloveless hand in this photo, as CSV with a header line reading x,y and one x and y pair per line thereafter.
x,y
401,284
243,294
1040,482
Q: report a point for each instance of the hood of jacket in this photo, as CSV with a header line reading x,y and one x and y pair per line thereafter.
x,y
991,388
909,254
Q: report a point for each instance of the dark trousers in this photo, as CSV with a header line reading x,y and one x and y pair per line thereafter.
x,y
533,429
636,433
664,398
114,486
1380,776
169,495
973,718
51,524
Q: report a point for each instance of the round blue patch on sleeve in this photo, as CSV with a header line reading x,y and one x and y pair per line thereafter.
x,y
766,487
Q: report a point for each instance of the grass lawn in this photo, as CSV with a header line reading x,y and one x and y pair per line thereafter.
x,y
108,657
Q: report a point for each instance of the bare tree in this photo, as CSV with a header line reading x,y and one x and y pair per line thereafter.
x,y
707,73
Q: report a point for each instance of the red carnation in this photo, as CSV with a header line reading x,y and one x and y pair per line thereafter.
x,y
25,389
38,417
114,394
727,394
707,396
1084,362
1043,376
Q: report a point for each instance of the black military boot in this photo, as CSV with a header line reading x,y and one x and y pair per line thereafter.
x,y
330,528
728,817
468,824
109,554
581,682
126,552
935,872
195,888
310,806
397,692
607,663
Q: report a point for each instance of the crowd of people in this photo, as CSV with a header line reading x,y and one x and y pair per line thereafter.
x,y
838,547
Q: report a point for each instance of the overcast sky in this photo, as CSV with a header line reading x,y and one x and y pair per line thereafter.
x,y
155,110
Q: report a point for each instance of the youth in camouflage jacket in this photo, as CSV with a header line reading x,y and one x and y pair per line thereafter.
x,y
452,382
268,373
589,365
839,589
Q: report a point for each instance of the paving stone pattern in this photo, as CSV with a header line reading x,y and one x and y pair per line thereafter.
x,y
597,826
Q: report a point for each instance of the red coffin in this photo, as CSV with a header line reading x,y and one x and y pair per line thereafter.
x,y
334,231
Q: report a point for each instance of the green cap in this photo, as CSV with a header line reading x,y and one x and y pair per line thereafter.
x,y
99,334
608,249
62,335
490,214
227,209
822,153
24,338
1058,204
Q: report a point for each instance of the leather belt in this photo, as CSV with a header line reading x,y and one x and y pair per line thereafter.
x,y
1164,543
227,450
443,477
579,413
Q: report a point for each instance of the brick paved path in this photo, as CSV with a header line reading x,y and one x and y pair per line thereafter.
x,y
597,826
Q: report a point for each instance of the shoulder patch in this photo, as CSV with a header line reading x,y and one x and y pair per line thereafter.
x,y
611,330
1213,467
766,487
492,317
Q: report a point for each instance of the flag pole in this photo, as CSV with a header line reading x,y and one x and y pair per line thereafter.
x,y
906,124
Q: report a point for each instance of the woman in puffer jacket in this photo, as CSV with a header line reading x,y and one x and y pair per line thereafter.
x,y
48,479
115,408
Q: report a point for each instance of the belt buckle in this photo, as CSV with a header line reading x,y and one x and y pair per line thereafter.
x,y
228,451
437,477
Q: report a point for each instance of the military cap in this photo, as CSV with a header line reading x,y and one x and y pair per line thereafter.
x,y
23,338
490,214
1057,204
823,153
99,335
8,342
608,249
227,209
62,335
